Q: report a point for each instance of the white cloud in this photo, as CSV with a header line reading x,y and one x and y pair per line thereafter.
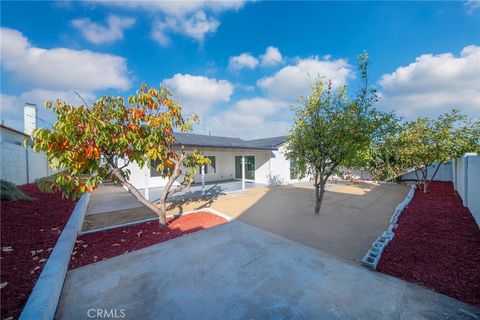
x,y
197,93
293,81
98,34
178,8
434,84
59,68
272,57
251,119
196,26
244,60
11,106
472,5
194,19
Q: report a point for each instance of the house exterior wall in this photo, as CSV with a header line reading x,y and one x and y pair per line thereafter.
x,y
280,167
271,167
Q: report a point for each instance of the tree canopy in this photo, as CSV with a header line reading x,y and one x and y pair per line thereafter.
x,y
426,142
98,142
332,130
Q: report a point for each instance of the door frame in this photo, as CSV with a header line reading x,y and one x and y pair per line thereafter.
x,y
235,167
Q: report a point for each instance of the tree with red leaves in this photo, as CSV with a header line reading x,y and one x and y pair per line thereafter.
x,y
87,141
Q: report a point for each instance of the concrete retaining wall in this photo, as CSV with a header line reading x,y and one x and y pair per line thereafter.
x,y
466,180
44,298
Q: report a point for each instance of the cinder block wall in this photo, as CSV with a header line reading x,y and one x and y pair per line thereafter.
x,y
14,166
13,163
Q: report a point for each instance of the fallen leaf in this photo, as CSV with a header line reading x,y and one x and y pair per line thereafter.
x,y
42,260
3,285
115,244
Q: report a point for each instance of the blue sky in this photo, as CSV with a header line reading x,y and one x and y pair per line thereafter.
x,y
239,65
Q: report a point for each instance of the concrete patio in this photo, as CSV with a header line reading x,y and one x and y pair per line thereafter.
x,y
237,271
212,189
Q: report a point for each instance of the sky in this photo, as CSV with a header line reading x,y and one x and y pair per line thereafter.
x,y
239,65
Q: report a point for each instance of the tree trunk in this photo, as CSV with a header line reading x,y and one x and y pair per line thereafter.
x,y
425,186
425,178
319,192
159,211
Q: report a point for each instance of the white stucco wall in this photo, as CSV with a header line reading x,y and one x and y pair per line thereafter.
x,y
280,167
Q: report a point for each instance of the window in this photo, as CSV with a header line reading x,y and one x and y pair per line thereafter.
x,y
153,169
209,168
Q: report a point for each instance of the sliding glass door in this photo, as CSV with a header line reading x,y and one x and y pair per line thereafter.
x,y
249,167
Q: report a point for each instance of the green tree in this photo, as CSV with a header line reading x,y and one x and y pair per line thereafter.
x,y
98,142
384,161
332,130
426,142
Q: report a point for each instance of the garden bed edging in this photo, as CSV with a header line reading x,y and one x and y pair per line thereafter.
x,y
372,257
209,210
42,302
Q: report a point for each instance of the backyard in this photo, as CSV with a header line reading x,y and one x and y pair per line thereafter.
x,y
235,159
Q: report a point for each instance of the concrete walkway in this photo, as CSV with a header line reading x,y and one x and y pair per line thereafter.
x,y
236,271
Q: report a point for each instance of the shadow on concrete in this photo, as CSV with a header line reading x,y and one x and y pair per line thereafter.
x,y
198,199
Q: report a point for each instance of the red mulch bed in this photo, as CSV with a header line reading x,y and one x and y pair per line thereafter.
x,y
437,245
29,231
93,247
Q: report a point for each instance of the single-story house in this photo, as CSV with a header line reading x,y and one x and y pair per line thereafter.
x,y
264,161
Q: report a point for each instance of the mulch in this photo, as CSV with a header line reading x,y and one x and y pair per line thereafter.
x,y
29,231
101,245
437,245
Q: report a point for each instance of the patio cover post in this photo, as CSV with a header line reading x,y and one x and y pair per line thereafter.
x,y
243,172
147,186
202,171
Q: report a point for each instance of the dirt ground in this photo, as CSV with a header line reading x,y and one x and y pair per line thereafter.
x,y
351,218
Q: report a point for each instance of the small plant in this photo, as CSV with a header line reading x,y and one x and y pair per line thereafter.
x,y
9,191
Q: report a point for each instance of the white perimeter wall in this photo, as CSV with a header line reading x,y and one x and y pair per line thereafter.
x,y
466,180
444,173
18,165
271,167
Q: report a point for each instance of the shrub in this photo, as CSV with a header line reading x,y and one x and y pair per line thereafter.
x,y
9,191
